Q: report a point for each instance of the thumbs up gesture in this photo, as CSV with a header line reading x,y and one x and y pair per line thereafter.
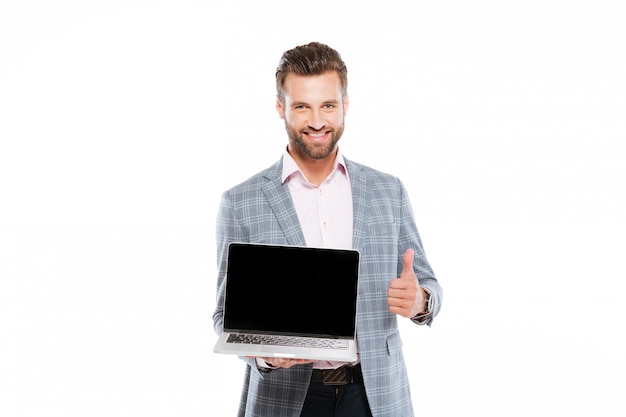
x,y
405,296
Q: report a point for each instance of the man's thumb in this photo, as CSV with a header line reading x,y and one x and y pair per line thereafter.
x,y
407,264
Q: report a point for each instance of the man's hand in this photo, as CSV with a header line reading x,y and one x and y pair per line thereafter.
x,y
405,296
284,362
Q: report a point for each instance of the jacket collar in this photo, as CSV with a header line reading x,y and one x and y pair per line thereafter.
x,y
279,199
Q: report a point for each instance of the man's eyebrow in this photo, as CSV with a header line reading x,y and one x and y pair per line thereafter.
x,y
304,103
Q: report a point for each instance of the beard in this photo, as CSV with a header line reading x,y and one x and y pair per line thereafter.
x,y
311,149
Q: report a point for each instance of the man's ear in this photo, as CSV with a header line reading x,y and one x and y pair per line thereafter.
x,y
346,103
280,109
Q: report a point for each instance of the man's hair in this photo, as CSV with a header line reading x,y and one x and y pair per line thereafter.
x,y
312,59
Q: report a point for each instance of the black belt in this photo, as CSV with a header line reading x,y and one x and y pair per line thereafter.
x,y
340,376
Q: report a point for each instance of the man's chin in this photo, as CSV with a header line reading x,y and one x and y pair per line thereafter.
x,y
321,152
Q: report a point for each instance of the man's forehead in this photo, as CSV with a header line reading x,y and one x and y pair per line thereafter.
x,y
326,83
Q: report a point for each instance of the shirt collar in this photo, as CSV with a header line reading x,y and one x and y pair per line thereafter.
x,y
290,166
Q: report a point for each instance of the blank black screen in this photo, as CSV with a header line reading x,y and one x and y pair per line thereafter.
x,y
292,290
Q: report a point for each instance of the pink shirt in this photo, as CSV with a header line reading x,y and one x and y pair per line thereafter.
x,y
325,212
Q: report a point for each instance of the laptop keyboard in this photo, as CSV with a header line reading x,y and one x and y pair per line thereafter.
x,y
306,342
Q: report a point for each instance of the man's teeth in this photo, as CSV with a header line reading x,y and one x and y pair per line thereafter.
x,y
316,135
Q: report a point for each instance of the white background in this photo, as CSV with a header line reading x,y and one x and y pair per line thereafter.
x,y
121,122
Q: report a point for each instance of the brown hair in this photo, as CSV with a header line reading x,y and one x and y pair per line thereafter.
x,y
312,59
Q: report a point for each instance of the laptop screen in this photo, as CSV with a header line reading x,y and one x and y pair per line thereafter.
x,y
302,291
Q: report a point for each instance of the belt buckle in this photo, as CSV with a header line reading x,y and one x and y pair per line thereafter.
x,y
336,377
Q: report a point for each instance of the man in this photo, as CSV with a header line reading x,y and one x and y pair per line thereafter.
x,y
315,196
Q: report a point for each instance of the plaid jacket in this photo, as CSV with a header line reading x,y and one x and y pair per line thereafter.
x,y
260,210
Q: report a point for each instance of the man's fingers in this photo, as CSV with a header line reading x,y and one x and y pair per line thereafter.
x,y
288,363
402,295
283,362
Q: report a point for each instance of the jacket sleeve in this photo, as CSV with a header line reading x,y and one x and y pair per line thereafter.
x,y
410,238
227,230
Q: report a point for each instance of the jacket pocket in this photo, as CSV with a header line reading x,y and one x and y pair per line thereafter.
x,y
394,343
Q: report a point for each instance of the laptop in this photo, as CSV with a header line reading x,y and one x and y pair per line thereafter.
x,y
290,302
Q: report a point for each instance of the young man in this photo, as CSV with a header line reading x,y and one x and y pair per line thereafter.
x,y
314,196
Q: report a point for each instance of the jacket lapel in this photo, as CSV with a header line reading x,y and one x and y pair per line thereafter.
x,y
279,199
361,203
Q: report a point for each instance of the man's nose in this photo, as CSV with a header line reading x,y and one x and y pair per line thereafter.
x,y
316,121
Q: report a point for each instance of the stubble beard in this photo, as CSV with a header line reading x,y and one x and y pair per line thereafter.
x,y
313,150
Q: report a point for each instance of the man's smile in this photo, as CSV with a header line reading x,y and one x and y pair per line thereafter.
x,y
317,136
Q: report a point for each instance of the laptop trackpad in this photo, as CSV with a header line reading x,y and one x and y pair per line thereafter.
x,y
284,352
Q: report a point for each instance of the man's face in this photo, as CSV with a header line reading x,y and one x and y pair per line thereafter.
x,y
313,111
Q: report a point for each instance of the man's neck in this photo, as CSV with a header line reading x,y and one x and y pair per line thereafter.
x,y
315,170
